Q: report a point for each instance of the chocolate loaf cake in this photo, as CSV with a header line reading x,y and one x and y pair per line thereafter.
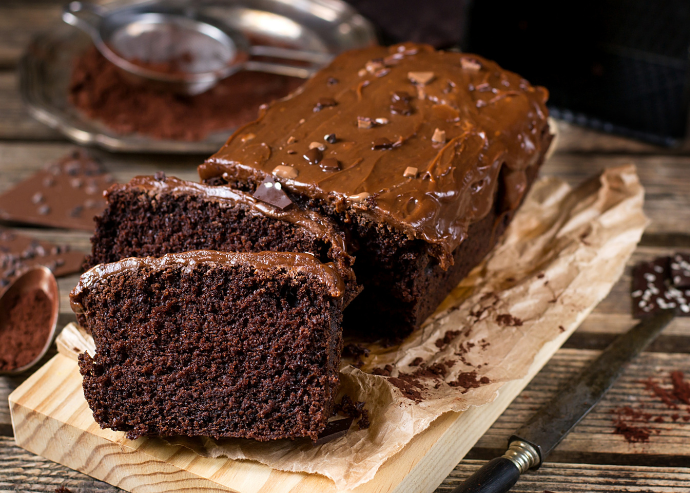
x,y
421,156
152,216
212,343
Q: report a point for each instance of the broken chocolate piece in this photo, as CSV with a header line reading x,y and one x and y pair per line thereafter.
x,y
49,197
19,252
410,172
439,136
680,270
420,78
271,192
652,290
330,138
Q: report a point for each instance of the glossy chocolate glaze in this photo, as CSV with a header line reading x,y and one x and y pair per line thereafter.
x,y
262,261
421,137
309,220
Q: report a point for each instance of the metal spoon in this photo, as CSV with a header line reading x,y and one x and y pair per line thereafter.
x,y
37,277
203,50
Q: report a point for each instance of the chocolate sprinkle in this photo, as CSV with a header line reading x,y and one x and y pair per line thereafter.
x,y
324,103
271,192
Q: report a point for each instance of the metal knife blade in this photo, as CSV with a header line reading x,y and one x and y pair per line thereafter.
x,y
532,443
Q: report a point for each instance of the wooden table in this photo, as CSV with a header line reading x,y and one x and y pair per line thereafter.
x,y
593,458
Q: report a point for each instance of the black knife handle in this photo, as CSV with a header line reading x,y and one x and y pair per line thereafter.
x,y
496,476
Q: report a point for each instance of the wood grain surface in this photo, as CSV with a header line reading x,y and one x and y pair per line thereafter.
x,y
592,458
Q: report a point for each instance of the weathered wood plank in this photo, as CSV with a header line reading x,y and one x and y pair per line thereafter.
x,y
572,478
26,472
19,23
594,436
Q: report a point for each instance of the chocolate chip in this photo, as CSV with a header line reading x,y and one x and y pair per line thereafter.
x,y
4,282
330,138
334,429
287,172
324,103
48,182
401,107
330,164
76,182
313,156
271,192
382,143
159,176
364,122
37,198
73,168
332,81
76,212
44,210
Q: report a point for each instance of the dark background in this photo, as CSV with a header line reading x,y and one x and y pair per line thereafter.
x,y
620,66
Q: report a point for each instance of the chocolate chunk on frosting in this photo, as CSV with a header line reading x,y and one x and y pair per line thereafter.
x,y
271,192
493,124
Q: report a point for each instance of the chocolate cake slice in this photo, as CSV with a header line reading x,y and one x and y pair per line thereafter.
x,y
422,156
155,215
212,343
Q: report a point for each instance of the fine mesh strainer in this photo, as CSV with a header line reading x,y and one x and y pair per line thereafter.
x,y
180,50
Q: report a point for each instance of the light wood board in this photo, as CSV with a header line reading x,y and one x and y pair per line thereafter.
x,y
51,418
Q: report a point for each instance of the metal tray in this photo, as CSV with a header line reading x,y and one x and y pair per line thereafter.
x,y
328,26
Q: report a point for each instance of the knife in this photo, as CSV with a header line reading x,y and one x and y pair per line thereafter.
x,y
531,444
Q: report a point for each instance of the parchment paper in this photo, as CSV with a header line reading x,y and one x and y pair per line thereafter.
x,y
560,256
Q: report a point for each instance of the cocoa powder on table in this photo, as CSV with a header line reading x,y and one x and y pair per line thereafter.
x,y
101,92
25,332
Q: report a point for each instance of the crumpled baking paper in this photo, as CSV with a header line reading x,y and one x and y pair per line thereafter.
x,y
560,256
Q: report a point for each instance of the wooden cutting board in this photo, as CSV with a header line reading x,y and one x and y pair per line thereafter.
x,y
51,418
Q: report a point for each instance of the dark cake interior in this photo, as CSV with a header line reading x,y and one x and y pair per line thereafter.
x,y
214,344
152,216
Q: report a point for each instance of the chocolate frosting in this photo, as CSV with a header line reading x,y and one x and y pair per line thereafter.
x,y
422,138
262,261
317,224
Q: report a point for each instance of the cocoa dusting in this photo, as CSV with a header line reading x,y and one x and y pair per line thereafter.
x,y
384,372
681,388
408,389
660,393
447,338
469,380
25,332
507,320
99,90
631,423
